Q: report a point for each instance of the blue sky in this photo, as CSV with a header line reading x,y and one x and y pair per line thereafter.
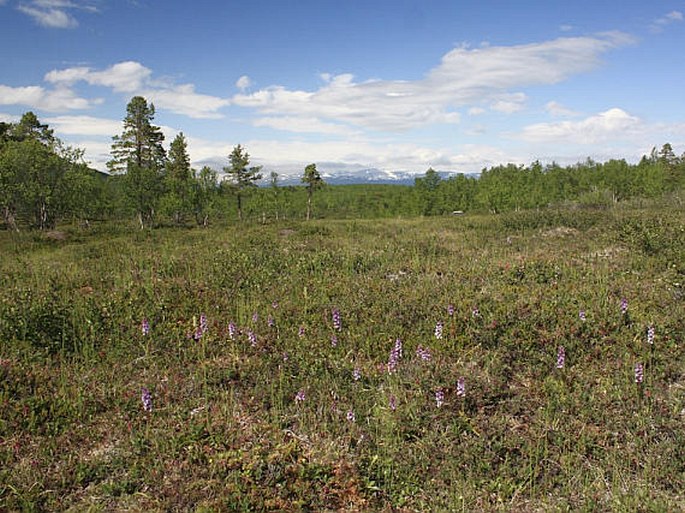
x,y
395,85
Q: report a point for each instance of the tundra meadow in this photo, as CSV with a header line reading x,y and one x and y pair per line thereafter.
x,y
529,361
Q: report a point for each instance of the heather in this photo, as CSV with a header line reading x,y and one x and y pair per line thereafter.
x,y
527,361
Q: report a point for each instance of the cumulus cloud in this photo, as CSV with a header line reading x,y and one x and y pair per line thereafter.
x,y
55,13
243,83
84,125
464,76
609,125
123,77
183,99
132,77
37,97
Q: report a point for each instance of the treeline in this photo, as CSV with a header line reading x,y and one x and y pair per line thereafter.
x,y
511,187
43,182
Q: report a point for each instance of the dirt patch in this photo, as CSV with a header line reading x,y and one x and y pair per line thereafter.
x,y
56,235
609,252
560,231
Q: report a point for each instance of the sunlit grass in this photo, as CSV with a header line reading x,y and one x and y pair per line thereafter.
x,y
277,415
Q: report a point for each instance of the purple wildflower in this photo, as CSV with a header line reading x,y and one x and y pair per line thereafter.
x,y
439,397
356,374
232,330
582,316
395,356
300,332
650,334
475,312
252,338
274,305
351,417
450,310
255,318
461,387
438,330
300,396
392,402
334,340
145,327
146,398
423,353
639,373
337,321
624,306
270,321
561,357
203,324
285,356
197,335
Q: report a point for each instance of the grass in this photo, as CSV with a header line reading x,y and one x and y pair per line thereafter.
x,y
226,432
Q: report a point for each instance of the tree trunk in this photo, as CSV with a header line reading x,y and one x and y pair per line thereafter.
x,y
10,219
43,216
240,208
309,204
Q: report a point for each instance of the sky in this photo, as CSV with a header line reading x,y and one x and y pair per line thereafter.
x,y
398,86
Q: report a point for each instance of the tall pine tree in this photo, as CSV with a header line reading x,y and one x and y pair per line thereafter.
x,y
313,179
138,152
178,179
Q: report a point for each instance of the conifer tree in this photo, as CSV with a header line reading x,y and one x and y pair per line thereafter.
x,y
139,153
177,200
313,179
240,175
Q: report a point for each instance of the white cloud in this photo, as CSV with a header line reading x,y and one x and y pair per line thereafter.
x,y
556,109
464,76
84,125
509,103
672,17
96,152
182,99
8,118
131,78
476,111
609,125
58,99
54,13
302,125
123,77
243,83
51,18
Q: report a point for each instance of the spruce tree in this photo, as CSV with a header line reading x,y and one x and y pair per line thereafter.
x,y
177,200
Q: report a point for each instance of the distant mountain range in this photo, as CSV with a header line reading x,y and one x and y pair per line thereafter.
x,y
336,173
365,176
